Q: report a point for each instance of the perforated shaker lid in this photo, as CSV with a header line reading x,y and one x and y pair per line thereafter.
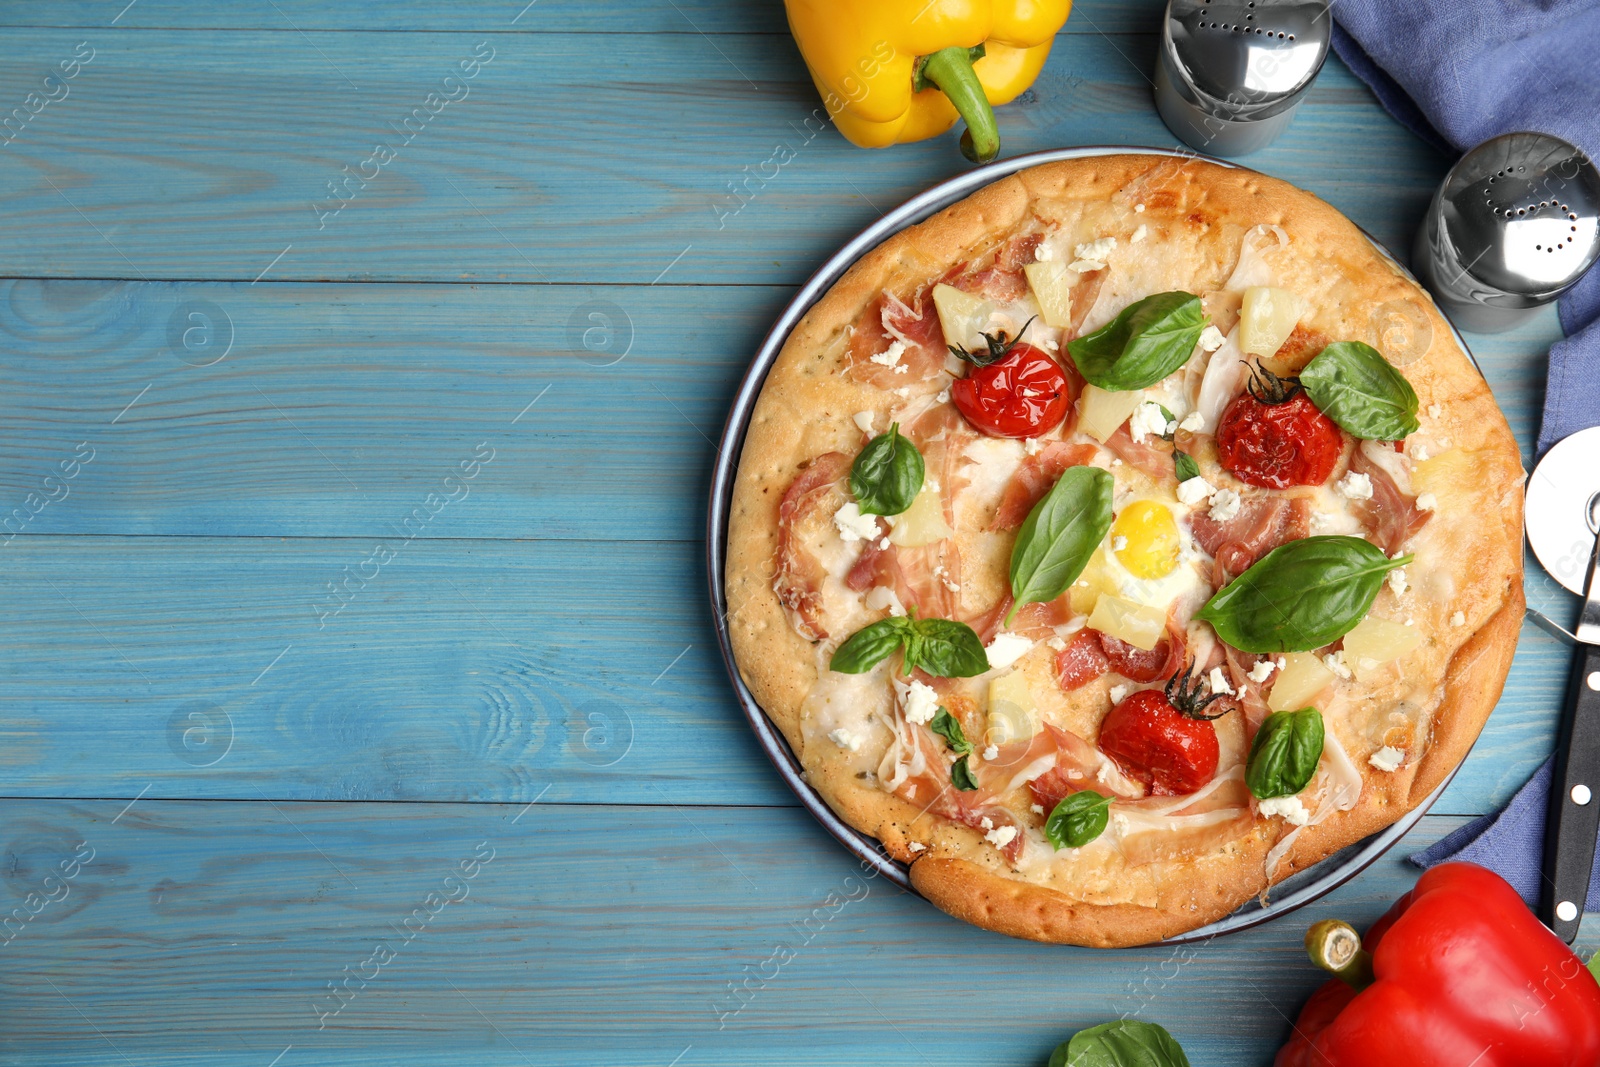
x,y
1523,213
1245,59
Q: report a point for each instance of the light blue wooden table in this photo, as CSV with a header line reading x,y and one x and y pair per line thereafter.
x,y
354,593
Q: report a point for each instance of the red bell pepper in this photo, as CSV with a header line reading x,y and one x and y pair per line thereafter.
x,y
1458,973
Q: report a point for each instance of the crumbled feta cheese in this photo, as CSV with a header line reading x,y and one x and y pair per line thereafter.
x,y
943,397
1434,411
1417,451
1397,581
881,596
1139,234
1119,543
1219,682
1354,486
992,752
1115,462
1117,693
1211,339
1224,505
1147,420
1138,208
901,368
987,823
1044,253
864,419
922,703
1057,644
890,356
854,526
1030,445
1290,808
1282,663
1458,619
903,392
1194,422
883,545
1092,256
1001,837
1427,502
1037,809
1261,671
917,846
845,739
1387,758
1335,663
1006,649
1195,491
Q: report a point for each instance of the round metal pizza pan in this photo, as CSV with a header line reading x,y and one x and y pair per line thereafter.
x,y
1294,892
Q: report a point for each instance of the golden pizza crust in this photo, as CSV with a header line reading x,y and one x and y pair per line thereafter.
x,y
1196,214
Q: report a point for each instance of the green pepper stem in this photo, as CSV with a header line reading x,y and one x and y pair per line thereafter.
x,y
1335,946
951,70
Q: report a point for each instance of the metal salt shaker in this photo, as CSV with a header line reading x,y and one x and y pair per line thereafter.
x,y
1515,224
1232,72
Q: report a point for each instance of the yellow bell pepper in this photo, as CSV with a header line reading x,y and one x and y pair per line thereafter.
x,y
892,71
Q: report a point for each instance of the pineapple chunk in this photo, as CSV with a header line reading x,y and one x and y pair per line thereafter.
x,y
1375,642
1301,681
1101,411
1266,319
1126,620
962,316
923,522
1450,477
1012,713
1096,579
1052,288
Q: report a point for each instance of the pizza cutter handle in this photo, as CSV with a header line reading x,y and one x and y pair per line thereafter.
x,y
1574,819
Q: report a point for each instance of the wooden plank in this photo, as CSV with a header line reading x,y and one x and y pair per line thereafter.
x,y
481,16
203,932
339,407
574,158
459,670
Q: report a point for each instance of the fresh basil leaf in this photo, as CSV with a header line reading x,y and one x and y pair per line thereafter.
x,y
1352,384
1078,819
1187,467
1170,430
945,648
948,727
887,475
1124,1043
1300,596
1147,341
1060,535
961,776
1594,966
1285,753
870,645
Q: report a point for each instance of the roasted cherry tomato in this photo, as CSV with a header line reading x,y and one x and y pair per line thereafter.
x,y
1273,436
1165,739
1014,390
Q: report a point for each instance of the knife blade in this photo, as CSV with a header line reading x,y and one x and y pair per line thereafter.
x,y
1574,815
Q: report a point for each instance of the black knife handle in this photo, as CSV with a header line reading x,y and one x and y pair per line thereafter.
x,y
1569,839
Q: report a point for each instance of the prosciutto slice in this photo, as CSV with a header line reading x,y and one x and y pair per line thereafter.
x,y
1077,765
1150,457
887,322
798,575
1262,524
1391,517
914,770
1035,477
1037,620
1092,653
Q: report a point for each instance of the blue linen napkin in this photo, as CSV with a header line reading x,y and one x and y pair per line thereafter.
x,y
1511,843
1458,73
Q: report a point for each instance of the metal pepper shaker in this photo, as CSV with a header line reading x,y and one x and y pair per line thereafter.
x,y
1514,225
1232,72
